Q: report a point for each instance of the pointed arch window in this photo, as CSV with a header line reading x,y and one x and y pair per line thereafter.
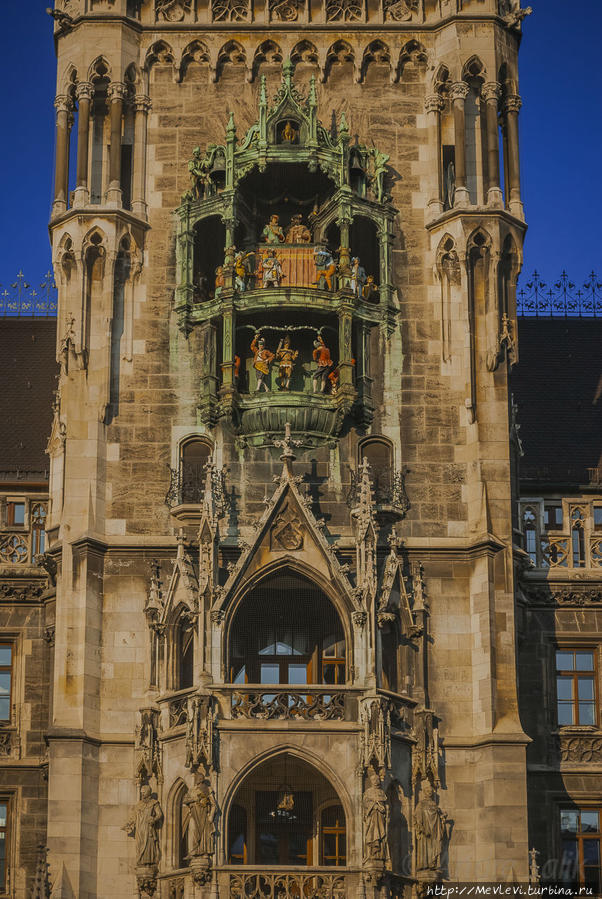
x,y
578,537
194,456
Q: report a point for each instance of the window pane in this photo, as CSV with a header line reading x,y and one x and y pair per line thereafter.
x,y
590,822
297,674
584,661
239,677
4,708
591,852
270,673
566,713
592,880
564,687
3,808
564,661
586,713
586,688
18,513
5,655
568,821
598,517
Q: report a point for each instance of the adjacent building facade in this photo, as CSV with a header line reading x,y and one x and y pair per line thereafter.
x,y
289,579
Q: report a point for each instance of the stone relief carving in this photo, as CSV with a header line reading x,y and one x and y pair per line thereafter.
x,y
287,531
202,806
147,748
431,830
145,825
285,10
400,10
201,735
375,717
230,11
581,748
171,10
425,755
344,11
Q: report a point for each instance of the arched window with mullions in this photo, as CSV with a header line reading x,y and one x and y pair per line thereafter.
x,y
378,452
184,654
287,631
195,453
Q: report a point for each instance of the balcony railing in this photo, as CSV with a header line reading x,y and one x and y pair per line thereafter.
x,y
306,705
21,300
562,299
307,884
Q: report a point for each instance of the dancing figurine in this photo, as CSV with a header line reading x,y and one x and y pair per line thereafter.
x,y
286,356
325,268
262,359
322,356
271,269
242,271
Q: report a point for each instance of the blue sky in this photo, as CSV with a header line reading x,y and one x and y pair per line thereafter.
x,y
561,129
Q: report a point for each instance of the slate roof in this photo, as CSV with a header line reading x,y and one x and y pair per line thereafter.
x,y
28,373
557,386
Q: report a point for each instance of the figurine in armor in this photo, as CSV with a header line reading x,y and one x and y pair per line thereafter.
x,y
271,270
286,356
272,232
297,232
262,359
322,356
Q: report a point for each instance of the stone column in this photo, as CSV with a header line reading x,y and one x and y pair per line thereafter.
x,y
458,94
84,93
117,94
491,95
511,109
64,120
434,106
143,105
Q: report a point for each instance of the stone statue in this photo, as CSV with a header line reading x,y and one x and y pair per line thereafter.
x,y
144,826
199,174
379,171
297,232
325,268
358,277
272,232
243,271
262,359
271,269
201,803
431,830
321,355
376,820
286,356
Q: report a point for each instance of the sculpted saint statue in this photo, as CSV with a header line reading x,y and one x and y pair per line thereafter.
x,y
144,826
200,800
272,232
430,823
376,819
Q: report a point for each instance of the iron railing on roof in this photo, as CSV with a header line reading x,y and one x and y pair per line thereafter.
x,y
560,299
21,300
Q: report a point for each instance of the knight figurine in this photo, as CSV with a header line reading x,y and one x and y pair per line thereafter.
x,y
286,356
262,359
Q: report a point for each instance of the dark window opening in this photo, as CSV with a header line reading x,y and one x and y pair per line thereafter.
x,y
186,667
195,455
448,179
580,841
365,246
283,842
379,455
237,836
287,632
209,244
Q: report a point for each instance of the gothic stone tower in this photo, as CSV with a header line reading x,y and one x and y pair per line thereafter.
x,y
281,475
